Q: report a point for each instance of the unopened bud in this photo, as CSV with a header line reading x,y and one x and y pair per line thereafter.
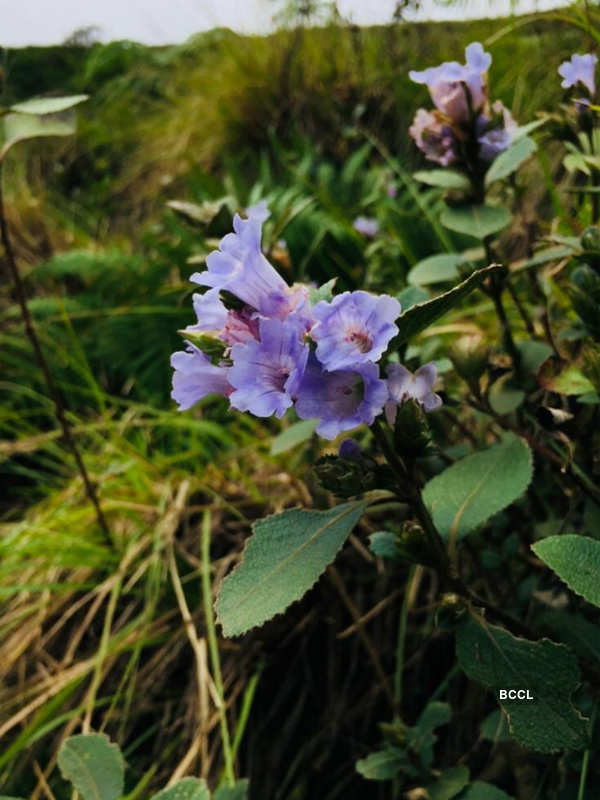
x,y
412,437
469,355
345,477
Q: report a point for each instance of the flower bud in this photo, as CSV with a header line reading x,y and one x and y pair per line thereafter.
x,y
585,296
412,437
345,477
469,355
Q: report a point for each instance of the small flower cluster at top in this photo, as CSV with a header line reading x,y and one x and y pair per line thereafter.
x,y
463,118
282,346
579,69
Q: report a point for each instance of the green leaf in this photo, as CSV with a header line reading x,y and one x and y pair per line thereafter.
x,y
494,727
422,315
576,561
443,178
383,765
555,253
524,130
291,437
38,106
411,295
19,127
478,221
185,789
510,160
574,630
563,378
421,737
384,544
281,562
504,396
237,792
475,488
435,269
450,783
94,766
533,354
324,292
495,658
479,790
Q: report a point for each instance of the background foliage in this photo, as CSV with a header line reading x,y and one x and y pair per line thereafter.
x,y
115,635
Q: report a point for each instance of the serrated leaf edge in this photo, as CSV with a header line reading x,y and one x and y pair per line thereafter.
x,y
113,746
242,558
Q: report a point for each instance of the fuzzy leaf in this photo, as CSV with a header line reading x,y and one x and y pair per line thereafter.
x,y
237,792
185,789
422,315
94,766
443,178
576,561
510,160
281,562
291,437
475,488
435,269
495,658
479,790
478,221
38,106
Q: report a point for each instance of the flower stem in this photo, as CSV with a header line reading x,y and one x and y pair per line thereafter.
x,y
59,406
213,648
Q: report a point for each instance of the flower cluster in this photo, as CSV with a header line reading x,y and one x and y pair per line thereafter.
x,y
281,346
463,115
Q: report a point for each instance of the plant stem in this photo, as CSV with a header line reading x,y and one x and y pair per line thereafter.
x,y
53,390
213,648
583,776
497,283
402,637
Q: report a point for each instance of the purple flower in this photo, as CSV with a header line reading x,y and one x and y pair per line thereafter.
x,y
210,311
580,69
229,326
434,137
350,449
266,373
355,327
367,226
448,81
240,267
392,190
195,377
494,140
404,385
342,399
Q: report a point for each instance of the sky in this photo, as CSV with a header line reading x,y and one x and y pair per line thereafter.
x,y
170,21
